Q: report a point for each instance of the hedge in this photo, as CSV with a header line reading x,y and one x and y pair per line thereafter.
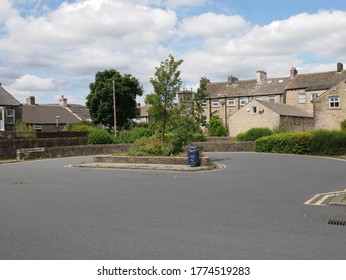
x,y
319,142
254,134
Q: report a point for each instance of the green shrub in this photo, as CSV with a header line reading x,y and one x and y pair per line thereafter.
x,y
82,127
216,128
282,128
147,147
320,142
98,136
254,134
130,136
343,125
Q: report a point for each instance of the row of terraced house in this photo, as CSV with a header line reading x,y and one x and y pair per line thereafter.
x,y
300,101
40,117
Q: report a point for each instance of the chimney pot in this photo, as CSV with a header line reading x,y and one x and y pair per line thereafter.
x,y
340,67
293,72
30,100
63,101
261,77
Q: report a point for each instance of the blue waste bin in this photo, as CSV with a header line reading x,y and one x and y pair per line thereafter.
x,y
193,156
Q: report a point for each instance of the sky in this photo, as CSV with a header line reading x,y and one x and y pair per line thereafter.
x,y
50,48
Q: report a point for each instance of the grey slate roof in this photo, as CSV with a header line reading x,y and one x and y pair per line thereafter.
x,y
317,81
81,111
309,82
285,110
248,88
6,99
46,114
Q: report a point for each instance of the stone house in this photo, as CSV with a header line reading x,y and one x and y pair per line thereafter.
x,y
330,107
53,117
266,114
10,111
309,93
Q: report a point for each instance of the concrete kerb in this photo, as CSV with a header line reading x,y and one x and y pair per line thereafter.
x,y
142,166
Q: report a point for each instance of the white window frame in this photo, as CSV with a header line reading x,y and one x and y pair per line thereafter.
x,y
259,98
243,101
334,102
204,103
231,102
10,116
302,98
215,103
312,96
271,98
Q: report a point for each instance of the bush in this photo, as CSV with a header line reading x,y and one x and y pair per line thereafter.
x,y
254,134
99,136
147,147
320,142
216,128
130,136
343,125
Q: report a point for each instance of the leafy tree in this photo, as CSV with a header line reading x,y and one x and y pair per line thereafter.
x,y
100,99
166,83
216,128
196,107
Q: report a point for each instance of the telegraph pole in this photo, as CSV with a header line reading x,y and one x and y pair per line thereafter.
x,y
115,114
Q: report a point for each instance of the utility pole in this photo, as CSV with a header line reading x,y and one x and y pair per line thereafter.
x,y
115,114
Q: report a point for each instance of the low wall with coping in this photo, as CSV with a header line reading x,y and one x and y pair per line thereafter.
x,y
67,147
204,161
71,151
9,147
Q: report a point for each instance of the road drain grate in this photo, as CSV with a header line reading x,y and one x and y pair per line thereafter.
x,y
337,223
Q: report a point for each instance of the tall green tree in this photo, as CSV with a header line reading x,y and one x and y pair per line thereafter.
x,y
166,83
196,103
100,98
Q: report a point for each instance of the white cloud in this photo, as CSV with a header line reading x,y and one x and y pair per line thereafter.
x,y
212,25
78,39
177,3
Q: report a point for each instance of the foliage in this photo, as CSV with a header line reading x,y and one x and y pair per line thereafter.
x,y
166,83
22,127
147,147
282,128
254,134
130,136
343,125
96,135
196,108
320,142
99,136
216,128
100,98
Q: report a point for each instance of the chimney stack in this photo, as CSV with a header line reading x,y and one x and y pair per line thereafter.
x,y
232,80
30,100
340,67
261,77
63,101
293,73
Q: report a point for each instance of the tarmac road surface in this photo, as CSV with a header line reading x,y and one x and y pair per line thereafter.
x,y
253,208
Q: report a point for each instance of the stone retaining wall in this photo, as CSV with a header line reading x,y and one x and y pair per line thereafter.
x,y
204,161
9,147
84,150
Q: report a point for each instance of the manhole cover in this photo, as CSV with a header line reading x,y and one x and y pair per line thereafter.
x,y
337,222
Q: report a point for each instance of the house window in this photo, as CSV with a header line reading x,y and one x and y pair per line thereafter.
x,y
204,103
215,103
314,96
231,102
254,110
301,98
243,101
272,98
334,102
10,116
258,98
